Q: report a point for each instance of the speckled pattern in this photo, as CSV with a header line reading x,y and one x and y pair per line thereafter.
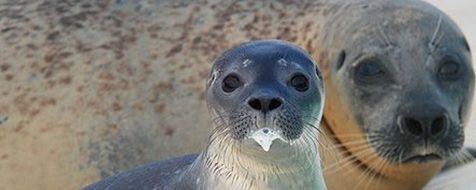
x,y
91,88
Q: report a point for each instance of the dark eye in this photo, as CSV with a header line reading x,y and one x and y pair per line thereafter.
x,y
369,72
449,70
231,83
299,82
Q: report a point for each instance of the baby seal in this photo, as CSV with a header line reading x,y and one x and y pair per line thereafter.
x,y
266,98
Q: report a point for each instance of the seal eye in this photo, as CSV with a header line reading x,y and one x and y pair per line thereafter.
x,y
299,82
449,70
369,71
231,83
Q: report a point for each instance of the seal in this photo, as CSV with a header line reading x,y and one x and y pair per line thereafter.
x,y
266,98
400,81
120,82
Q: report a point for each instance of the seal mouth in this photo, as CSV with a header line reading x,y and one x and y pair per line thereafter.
x,y
265,137
422,158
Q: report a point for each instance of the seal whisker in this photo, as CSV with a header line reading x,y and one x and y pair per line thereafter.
x,y
314,133
462,157
369,174
217,134
386,39
376,172
381,176
400,156
313,127
356,134
361,164
312,145
344,144
353,143
349,159
434,42
367,171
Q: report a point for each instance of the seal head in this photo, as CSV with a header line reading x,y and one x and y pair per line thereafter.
x,y
265,91
266,98
400,83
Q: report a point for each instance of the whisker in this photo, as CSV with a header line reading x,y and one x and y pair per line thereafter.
x,y
434,41
349,159
379,168
367,171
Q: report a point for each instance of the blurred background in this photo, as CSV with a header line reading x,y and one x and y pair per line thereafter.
x,y
96,87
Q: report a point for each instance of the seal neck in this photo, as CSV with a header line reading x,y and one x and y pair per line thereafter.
x,y
368,170
284,166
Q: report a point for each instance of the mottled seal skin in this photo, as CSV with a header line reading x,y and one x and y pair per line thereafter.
x,y
96,87
267,84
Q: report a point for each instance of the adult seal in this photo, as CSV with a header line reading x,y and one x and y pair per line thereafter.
x,y
400,81
266,98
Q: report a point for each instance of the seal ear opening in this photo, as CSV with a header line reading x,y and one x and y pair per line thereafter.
x,y
340,60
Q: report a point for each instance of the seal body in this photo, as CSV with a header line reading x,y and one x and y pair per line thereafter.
x,y
267,99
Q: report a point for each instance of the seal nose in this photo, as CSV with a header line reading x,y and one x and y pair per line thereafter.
x,y
428,123
265,104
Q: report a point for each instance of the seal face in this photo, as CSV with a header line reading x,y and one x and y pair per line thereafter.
x,y
259,93
268,88
435,86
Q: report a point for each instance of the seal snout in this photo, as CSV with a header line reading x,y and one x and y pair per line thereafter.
x,y
265,104
430,132
429,123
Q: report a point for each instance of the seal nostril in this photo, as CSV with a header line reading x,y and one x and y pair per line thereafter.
x,y
265,104
275,103
413,126
438,125
255,104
